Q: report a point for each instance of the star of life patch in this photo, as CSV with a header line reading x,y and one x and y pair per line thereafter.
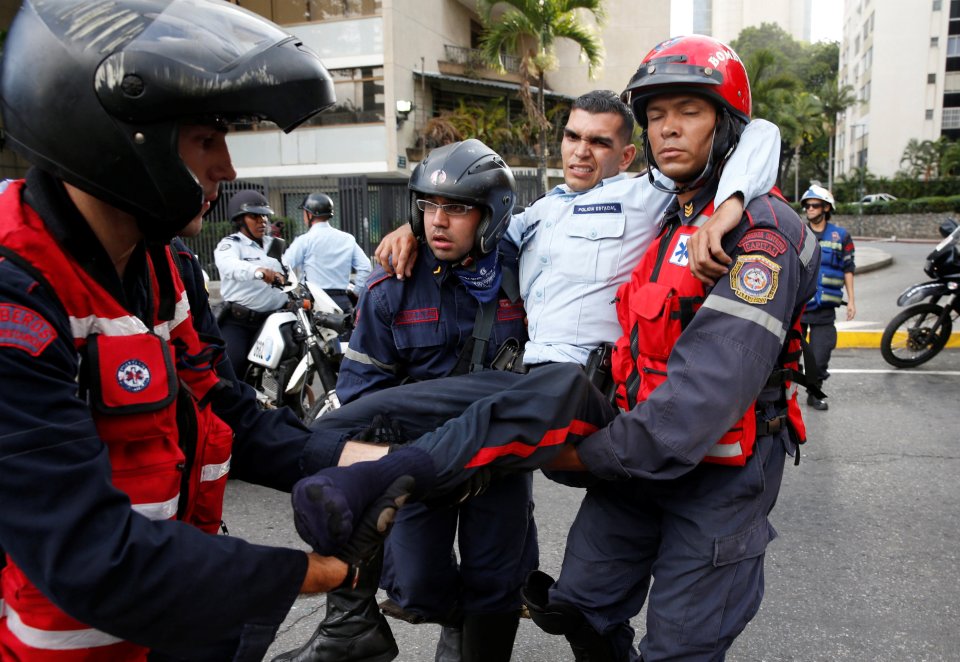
x,y
754,278
133,376
22,328
680,256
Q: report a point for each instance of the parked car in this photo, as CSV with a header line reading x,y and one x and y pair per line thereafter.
x,y
876,197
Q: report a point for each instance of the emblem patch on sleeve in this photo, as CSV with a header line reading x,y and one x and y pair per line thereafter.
x,y
754,278
24,329
765,241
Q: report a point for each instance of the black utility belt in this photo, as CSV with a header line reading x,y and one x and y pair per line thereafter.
x,y
244,314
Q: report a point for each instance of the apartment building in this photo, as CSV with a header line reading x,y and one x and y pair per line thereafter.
x,y
903,62
724,19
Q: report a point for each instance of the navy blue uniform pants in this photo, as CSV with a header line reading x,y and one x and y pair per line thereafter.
x,y
700,539
497,541
822,329
239,336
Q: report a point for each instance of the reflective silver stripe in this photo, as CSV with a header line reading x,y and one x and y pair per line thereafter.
x,y
810,246
158,511
747,312
56,640
180,313
128,325
725,450
215,471
83,327
353,355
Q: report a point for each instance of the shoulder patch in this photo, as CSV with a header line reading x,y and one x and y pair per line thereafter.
x,y
224,246
754,278
22,328
764,241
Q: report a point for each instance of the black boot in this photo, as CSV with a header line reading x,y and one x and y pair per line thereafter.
x,y
489,637
817,403
353,630
450,644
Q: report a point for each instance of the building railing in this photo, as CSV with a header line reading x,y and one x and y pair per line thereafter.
x,y
472,59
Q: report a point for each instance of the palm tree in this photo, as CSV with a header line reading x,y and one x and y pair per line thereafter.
x,y
835,99
538,24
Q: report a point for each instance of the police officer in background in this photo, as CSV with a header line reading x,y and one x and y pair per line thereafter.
x,y
250,267
107,557
836,275
327,256
460,305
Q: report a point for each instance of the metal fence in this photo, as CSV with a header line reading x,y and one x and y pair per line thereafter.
x,y
365,207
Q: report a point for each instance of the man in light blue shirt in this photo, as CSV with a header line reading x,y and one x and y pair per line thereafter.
x,y
326,256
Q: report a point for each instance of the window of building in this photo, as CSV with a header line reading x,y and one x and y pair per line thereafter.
x,y
936,5
953,46
934,42
950,118
954,9
928,115
932,79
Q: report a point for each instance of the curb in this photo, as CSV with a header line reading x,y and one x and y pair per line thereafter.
x,y
871,340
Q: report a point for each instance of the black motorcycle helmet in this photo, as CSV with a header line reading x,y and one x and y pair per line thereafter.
x,y
472,173
318,204
247,202
129,71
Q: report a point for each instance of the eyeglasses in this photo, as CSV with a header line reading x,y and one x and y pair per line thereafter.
x,y
812,205
452,209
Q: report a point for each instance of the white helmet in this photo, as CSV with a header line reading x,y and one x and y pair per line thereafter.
x,y
816,192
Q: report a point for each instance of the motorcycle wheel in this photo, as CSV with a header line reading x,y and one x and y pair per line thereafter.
x,y
323,404
910,339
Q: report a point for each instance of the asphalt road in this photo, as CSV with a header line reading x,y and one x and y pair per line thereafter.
x,y
866,565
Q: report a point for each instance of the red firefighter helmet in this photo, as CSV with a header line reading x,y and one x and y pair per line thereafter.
x,y
694,63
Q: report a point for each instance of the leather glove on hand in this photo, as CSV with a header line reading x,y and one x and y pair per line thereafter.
x,y
372,528
383,430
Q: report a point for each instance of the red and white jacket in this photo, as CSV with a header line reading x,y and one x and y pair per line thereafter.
x,y
144,384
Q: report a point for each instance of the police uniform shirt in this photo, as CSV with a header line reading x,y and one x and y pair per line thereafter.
x,y
326,256
238,257
577,248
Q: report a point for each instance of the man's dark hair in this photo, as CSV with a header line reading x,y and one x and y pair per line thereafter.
x,y
606,101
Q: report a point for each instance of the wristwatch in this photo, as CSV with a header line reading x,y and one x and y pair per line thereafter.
x,y
258,275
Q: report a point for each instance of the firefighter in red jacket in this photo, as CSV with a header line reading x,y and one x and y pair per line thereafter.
x,y
113,433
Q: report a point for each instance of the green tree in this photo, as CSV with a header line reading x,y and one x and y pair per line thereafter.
x,y
835,99
922,158
950,161
531,28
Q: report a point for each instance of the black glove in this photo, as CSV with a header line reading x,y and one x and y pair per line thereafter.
x,y
474,486
372,528
383,430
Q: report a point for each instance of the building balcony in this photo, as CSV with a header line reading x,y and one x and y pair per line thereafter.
x,y
468,62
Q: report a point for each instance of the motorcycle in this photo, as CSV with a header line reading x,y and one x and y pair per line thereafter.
x,y
918,333
296,357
